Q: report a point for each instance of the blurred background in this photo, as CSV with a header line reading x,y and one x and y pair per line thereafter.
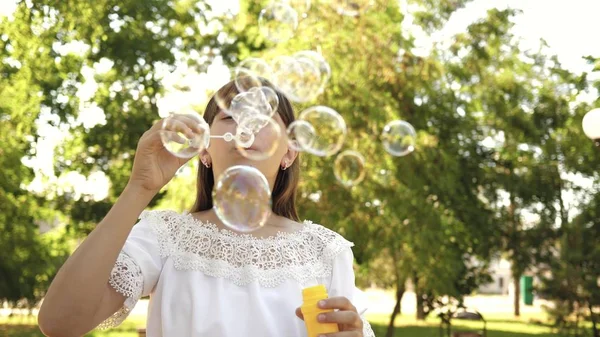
x,y
496,210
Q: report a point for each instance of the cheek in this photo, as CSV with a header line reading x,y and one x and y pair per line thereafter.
x,y
220,128
268,136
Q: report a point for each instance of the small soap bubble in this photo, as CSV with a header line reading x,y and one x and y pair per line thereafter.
x,y
242,198
181,144
266,139
330,130
399,138
244,137
349,168
301,135
278,22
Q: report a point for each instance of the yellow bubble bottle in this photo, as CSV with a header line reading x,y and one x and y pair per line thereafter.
x,y
310,310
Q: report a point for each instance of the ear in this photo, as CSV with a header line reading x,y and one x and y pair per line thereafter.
x,y
288,158
205,158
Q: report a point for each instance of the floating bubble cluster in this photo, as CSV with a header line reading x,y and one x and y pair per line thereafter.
x,y
242,195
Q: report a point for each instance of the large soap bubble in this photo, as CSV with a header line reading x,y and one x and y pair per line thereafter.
x,y
242,198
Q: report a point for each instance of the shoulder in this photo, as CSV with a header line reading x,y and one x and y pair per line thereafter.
x,y
158,215
328,241
165,225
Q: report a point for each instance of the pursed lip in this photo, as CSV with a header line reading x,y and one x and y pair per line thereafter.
x,y
251,148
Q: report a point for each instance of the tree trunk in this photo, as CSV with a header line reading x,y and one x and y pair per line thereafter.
x,y
514,246
420,306
419,295
397,310
517,303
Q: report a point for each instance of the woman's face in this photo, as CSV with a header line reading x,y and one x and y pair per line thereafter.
x,y
222,154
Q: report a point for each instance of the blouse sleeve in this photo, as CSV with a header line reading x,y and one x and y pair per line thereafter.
x,y
342,284
137,268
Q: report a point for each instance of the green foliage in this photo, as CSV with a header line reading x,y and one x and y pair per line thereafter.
x,y
498,128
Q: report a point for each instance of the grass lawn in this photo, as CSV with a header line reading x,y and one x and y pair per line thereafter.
x,y
406,326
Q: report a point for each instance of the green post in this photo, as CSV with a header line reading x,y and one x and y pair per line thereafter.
x,y
527,290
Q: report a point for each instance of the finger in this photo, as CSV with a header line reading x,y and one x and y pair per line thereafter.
x,y
174,136
192,122
173,124
341,303
299,313
341,317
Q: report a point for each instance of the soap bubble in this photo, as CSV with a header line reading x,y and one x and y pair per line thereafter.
x,y
309,82
349,168
278,22
249,72
262,100
180,144
242,198
299,79
319,62
399,138
301,135
301,6
351,7
267,135
287,74
243,137
237,110
330,130
224,98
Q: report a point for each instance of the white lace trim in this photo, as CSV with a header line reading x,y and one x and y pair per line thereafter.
x,y
367,329
126,278
243,258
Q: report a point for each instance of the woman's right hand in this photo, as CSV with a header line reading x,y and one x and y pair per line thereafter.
x,y
154,166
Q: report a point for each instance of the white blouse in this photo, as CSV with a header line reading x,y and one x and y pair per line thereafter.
x,y
205,281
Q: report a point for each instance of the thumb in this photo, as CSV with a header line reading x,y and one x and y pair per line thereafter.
x,y
299,313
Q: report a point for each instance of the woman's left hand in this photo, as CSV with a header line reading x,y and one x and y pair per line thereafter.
x,y
346,316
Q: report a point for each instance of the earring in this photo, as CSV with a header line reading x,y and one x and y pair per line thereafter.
x,y
284,167
206,163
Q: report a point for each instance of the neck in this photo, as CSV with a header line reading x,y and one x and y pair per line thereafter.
x,y
274,220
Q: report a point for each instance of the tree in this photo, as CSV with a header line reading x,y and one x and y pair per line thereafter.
x,y
41,84
31,260
571,272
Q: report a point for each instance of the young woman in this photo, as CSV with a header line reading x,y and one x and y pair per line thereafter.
x,y
203,278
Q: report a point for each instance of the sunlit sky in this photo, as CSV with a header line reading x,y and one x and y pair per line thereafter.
x,y
569,27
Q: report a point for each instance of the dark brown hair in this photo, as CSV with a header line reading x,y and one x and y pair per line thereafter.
x,y
286,183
